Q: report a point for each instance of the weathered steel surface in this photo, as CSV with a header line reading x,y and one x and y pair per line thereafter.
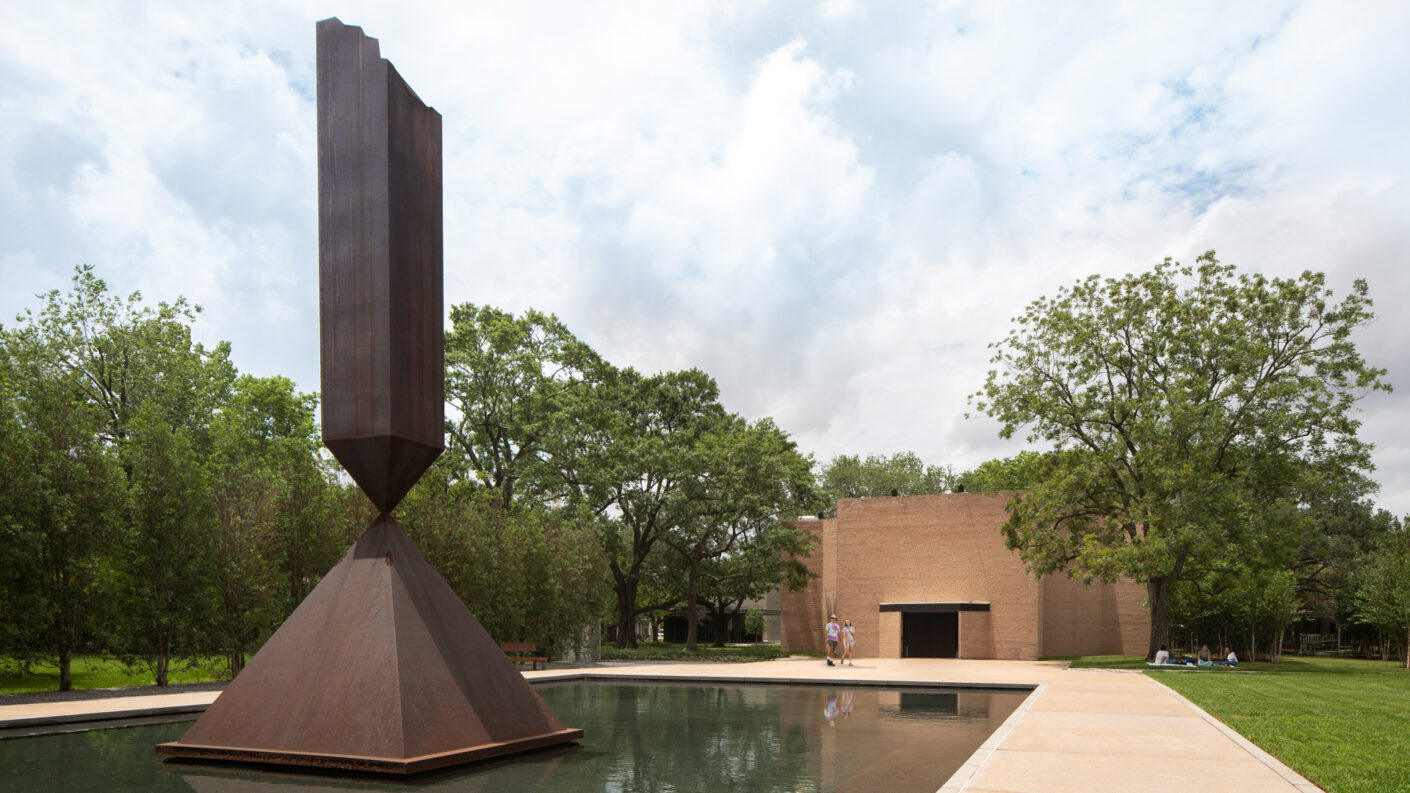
x,y
380,267
381,668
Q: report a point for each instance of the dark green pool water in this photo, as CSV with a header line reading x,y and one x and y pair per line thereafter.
x,y
640,737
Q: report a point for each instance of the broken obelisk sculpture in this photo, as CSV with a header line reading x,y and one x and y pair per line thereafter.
x,y
381,668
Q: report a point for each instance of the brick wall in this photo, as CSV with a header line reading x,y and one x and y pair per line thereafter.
x,y
1093,619
937,548
800,623
947,548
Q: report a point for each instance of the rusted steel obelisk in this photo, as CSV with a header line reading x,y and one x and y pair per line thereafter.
x,y
381,668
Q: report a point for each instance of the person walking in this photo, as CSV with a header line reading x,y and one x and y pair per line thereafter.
x,y
832,632
849,638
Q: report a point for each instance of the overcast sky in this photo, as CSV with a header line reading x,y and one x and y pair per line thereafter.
x,y
832,208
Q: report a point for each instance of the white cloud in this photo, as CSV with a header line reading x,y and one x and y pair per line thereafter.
x,y
832,209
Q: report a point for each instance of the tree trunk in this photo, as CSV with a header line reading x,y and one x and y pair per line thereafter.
x,y
1158,593
722,621
65,669
692,616
1407,647
626,614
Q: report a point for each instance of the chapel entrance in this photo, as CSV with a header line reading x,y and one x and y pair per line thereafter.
x,y
930,634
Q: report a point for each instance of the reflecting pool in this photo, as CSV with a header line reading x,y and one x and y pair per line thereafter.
x,y
639,737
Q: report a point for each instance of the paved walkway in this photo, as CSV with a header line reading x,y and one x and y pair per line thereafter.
x,y
41,714
1082,731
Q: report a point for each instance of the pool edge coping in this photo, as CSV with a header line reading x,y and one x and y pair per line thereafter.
x,y
547,676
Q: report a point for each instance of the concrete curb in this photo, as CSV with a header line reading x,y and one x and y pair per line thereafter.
x,y
104,715
962,776
544,676
779,681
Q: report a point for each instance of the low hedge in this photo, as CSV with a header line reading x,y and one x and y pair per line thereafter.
x,y
661,651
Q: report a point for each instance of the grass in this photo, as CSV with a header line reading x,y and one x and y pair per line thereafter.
x,y
1139,662
1343,723
661,651
91,671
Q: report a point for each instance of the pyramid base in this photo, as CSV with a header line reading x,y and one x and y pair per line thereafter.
x,y
398,766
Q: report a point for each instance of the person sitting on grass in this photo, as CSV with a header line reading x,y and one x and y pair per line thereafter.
x,y
1231,659
1162,656
1204,657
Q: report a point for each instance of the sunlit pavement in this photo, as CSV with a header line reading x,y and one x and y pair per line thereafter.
x,y
1082,730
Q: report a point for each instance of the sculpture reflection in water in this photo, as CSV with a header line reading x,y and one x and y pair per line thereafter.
x,y
639,737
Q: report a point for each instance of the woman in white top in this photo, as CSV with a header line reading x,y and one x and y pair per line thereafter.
x,y
849,637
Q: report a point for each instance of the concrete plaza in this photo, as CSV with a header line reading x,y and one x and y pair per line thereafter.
x,y
1080,731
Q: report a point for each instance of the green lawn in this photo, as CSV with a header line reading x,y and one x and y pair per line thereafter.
x,y
91,671
1342,723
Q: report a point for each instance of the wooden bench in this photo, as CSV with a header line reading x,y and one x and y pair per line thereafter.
x,y
523,653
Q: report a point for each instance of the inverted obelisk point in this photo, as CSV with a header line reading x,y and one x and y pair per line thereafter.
x,y
381,668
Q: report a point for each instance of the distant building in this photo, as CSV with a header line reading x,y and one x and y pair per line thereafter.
x,y
674,627
929,577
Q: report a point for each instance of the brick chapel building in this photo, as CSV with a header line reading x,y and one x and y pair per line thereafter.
x,y
929,577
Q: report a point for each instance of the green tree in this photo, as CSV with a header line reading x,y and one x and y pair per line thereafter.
x,y
1020,472
903,473
156,391
508,382
526,574
167,559
768,559
122,355
631,471
755,621
748,478
1383,587
269,491
1188,404
60,500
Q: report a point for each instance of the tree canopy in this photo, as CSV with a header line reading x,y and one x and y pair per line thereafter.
x,y
1382,589
672,482
509,384
149,486
1188,406
1020,472
902,474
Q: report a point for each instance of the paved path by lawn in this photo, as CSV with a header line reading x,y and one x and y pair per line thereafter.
x,y
1108,731
1081,731
72,711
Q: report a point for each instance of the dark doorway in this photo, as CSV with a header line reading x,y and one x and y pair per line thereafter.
x,y
930,635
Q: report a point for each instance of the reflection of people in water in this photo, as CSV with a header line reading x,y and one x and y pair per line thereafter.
x,y
830,711
846,703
